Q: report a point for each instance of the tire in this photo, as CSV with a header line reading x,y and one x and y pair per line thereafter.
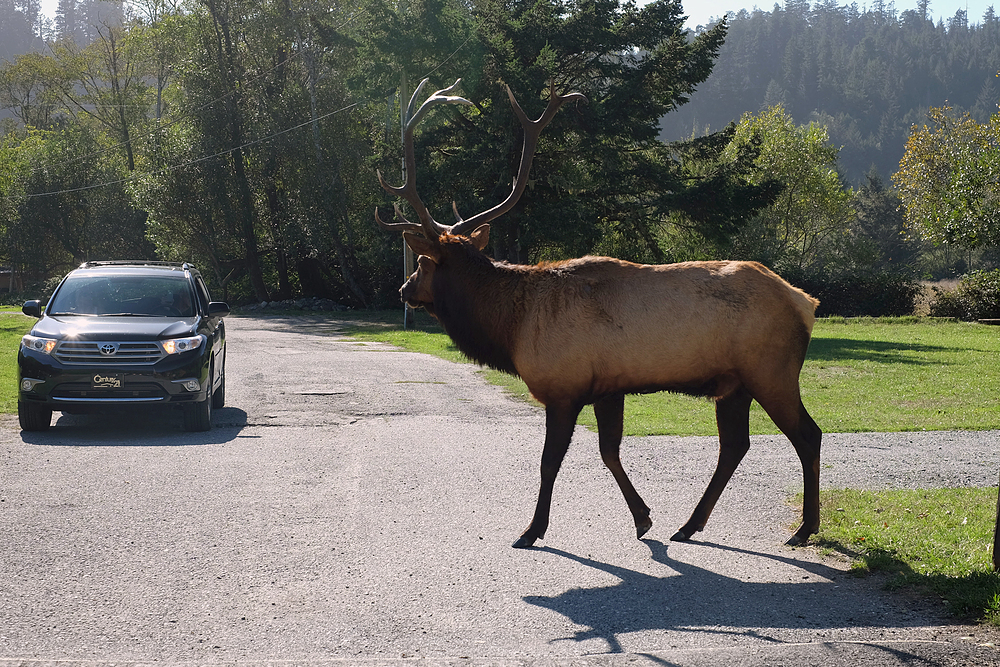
x,y
198,416
33,417
219,395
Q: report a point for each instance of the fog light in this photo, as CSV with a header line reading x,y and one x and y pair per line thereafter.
x,y
190,384
27,384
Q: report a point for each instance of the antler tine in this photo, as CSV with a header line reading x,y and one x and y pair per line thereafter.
x,y
408,191
532,130
403,226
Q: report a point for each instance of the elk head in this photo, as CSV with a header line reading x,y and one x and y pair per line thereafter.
x,y
428,238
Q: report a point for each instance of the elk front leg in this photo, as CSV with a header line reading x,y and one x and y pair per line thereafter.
x,y
560,420
732,414
610,412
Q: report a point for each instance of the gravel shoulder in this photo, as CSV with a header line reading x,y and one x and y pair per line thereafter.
x,y
356,503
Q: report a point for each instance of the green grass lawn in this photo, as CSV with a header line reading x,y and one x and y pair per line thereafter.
x,y
13,325
935,541
860,375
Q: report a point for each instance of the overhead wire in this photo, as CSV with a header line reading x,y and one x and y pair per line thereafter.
x,y
179,119
171,168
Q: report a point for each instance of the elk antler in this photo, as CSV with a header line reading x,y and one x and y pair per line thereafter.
x,y
408,191
532,129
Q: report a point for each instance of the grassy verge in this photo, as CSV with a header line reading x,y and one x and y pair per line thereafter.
x,y
935,542
13,325
860,375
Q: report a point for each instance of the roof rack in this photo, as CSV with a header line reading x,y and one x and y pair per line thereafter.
x,y
136,262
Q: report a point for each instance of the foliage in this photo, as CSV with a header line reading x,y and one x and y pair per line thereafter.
x,y
977,296
949,180
859,294
878,233
62,220
807,221
936,541
245,136
866,72
600,171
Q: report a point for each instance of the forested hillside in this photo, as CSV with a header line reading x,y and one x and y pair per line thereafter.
x,y
24,28
868,75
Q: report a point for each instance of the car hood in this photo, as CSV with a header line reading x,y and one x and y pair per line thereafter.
x,y
114,328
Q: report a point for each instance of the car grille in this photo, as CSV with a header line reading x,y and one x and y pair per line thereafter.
x,y
132,391
88,352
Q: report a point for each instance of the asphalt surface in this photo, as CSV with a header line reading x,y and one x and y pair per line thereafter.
x,y
355,504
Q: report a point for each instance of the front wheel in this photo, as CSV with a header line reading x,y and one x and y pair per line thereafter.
x,y
198,416
33,417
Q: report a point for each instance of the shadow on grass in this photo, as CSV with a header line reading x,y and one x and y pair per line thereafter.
x,y
971,597
846,349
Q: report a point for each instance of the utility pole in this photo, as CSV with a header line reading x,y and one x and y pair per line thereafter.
x,y
408,258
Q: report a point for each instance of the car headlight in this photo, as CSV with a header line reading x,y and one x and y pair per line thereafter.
x,y
43,345
179,345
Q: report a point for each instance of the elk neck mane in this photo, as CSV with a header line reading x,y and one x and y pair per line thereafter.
x,y
478,302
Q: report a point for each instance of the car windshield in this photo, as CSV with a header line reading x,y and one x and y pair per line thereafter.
x,y
149,296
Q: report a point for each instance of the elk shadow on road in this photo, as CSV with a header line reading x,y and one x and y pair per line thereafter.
x,y
698,600
136,427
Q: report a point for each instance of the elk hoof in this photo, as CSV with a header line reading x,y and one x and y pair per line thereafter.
x,y
796,541
680,536
642,528
524,542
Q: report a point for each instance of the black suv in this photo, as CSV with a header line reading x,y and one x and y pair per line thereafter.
x,y
124,333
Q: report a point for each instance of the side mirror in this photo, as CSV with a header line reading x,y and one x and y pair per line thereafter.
x,y
32,308
218,309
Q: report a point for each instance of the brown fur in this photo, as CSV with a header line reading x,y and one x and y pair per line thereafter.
x,y
590,330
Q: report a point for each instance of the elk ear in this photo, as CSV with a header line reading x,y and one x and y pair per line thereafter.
x,y
480,236
423,246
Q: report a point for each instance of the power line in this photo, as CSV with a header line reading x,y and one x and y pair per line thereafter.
x,y
228,151
164,170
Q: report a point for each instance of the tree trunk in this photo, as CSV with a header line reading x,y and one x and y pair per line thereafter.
x,y
246,213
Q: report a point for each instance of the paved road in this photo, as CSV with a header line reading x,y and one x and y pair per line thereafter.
x,y
356,503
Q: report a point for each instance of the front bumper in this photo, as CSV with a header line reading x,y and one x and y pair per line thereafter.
x,y
173,380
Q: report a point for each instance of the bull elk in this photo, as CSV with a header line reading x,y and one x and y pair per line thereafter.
x,y
590,330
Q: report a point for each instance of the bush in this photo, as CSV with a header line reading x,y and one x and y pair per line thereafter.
x,y
976,297
859,295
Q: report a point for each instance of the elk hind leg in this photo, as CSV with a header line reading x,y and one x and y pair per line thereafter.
x,y
610,411
560,420
805,435
732,413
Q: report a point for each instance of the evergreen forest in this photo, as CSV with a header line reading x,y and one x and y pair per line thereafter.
x,y
853,151
867,75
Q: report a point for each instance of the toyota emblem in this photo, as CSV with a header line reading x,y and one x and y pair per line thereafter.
x,y
107,349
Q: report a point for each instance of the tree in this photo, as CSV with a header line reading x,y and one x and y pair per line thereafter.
x,y
809,218
879,229
949,180
105,82
28,89
74,206
600,167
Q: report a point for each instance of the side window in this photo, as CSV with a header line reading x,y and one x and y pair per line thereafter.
x,y
202,294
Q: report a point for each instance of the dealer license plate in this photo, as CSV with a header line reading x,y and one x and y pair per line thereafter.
x,y
108,381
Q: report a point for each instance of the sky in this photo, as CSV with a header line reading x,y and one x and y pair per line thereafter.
x,y
700,11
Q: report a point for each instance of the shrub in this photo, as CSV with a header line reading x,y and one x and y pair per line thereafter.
x,y
977,296
860,295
